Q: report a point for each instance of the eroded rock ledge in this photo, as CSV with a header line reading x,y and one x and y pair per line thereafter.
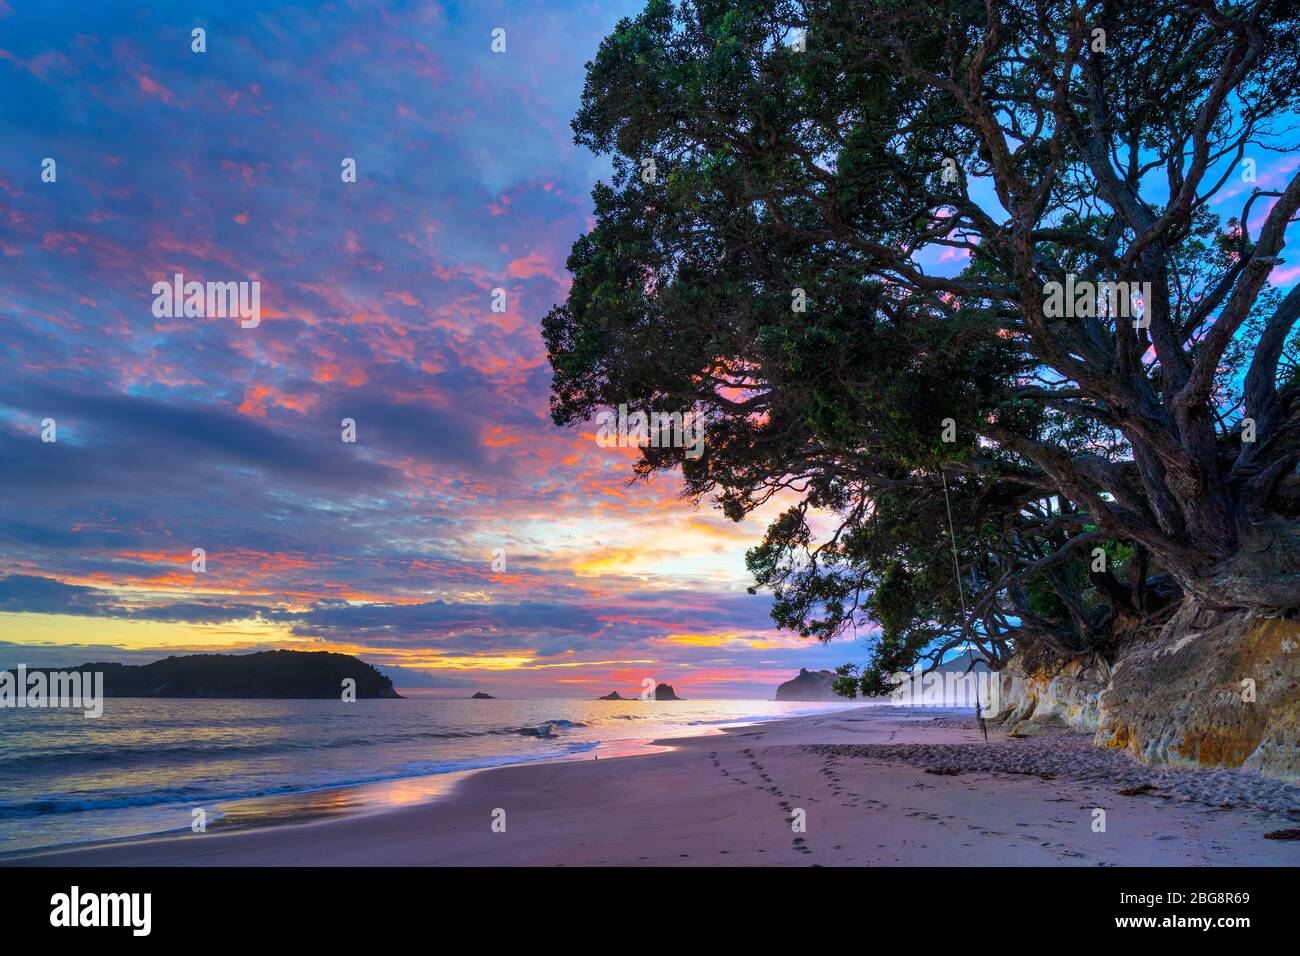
x,y
1209,688
1038,692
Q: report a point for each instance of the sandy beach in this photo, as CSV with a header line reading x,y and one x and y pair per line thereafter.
x,y
876,786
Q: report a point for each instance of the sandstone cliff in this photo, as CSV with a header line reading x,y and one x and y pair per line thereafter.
x,y
1208,688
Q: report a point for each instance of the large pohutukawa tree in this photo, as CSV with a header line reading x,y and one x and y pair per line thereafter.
x,y
769,251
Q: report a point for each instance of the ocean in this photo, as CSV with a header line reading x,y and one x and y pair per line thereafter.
x,y
153,766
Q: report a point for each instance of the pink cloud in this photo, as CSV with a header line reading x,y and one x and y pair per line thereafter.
x,y
152,87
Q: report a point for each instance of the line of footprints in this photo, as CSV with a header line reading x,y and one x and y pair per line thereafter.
x,y
848,798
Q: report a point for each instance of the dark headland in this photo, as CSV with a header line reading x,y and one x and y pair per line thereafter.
x,y
267,674
809,685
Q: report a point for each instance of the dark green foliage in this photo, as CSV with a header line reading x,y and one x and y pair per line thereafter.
x,y
820,174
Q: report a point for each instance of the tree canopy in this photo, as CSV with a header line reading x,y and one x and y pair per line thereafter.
x,y
840,230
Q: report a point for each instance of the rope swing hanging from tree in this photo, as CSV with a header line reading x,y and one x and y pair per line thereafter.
x,y
961,594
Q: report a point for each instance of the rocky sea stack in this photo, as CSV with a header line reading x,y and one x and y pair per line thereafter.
x,y
612,695
479,695
665,692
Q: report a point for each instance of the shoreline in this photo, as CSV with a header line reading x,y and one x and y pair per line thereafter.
x,y
290,804
875,787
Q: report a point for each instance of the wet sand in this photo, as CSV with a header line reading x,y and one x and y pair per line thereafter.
x,y
876,786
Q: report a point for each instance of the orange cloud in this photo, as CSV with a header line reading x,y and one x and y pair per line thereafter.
x,y
528,267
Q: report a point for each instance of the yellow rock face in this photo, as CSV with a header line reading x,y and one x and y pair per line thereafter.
x,y
1213,689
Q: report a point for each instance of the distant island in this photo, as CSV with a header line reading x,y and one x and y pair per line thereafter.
x,y
612,695
267,674
479,695
809,685
665,692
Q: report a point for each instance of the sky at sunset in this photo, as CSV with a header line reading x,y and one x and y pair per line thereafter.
x,y
183,433
180,433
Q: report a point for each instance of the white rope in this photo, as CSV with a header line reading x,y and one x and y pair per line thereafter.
x,y
956,565
961,593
